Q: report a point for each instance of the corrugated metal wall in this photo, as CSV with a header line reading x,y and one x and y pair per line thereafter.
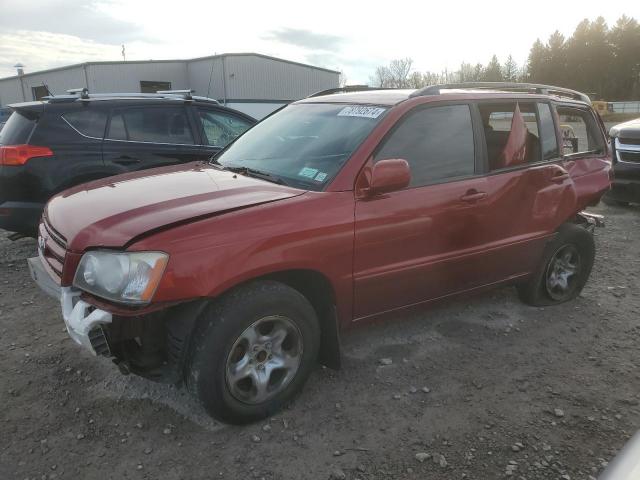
x,y
199,73
58,82
244,77
126,77
10,91
254,77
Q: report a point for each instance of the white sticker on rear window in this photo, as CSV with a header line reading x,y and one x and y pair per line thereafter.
x,y
308,172
361,111
320,177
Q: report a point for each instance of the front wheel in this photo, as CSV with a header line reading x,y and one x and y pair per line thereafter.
x,y
564,269
253,351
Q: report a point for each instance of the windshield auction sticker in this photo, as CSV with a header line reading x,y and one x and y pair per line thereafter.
x,y
308,172
361,111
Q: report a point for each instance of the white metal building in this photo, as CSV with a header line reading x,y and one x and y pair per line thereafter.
x,y
250,82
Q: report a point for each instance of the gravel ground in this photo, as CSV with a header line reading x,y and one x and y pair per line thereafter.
x,y
481,387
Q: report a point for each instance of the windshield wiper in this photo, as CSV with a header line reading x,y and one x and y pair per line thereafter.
x,y
252,172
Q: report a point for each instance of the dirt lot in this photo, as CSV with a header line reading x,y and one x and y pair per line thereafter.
x,y
475,385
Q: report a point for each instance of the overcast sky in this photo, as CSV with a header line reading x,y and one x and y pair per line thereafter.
x,y
341,35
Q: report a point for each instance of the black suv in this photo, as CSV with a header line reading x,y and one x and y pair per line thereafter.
x,y
51,145
625,145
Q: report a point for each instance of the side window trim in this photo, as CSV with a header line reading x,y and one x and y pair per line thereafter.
x,y
116,110
479,141
421,107
556,130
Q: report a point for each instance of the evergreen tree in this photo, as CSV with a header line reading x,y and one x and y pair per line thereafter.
x,y
595,59
493,72
510,70
624,38
538,62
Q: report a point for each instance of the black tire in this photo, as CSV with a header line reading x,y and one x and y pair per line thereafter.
x,y
221,327
573,241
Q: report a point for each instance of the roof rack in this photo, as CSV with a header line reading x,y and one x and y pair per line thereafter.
x,y
508,86
83,94
346,89
188,94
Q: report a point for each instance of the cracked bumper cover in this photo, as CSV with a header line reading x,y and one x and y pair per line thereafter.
x,y
80,318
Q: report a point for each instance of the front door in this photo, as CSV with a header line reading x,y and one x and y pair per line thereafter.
x,y
422,242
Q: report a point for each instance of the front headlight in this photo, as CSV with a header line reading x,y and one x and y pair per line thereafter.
x,y
123,277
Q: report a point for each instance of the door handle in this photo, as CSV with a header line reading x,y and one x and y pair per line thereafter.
x,y
560,177
473,196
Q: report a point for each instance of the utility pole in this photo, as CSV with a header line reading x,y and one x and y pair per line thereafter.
x,y
124,56
20,68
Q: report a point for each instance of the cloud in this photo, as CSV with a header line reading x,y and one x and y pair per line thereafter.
x,y
42,50
87,19
306,39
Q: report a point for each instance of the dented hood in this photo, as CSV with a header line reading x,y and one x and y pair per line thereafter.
x,y
113,211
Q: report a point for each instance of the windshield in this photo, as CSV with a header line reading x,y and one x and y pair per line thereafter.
x,y
302,145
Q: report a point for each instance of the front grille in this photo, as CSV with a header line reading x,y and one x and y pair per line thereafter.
x,y
629,141
52,246
99,342
633,157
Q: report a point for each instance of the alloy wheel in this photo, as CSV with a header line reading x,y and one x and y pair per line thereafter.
x,y
562,272
264,359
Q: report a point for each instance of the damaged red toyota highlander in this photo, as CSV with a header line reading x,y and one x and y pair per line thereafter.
x,y
237,275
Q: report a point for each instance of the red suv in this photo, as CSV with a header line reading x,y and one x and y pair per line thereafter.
x,y
236,275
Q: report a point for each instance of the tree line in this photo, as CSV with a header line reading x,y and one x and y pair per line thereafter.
x,y
601,61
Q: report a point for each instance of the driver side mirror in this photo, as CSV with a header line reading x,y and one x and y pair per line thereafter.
x,y
389,176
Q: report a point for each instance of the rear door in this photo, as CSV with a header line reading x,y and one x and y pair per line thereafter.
x,y
422,242
584,152
143,137
530,193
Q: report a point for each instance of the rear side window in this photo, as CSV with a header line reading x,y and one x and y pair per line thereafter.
x,y
90,123
17,130
437,143
156,125
221,128
547,132
511,133
580,133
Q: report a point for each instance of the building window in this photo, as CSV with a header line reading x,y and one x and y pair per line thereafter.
x,y
39,92
153,87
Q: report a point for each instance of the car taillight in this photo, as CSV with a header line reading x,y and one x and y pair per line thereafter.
x,y
20,154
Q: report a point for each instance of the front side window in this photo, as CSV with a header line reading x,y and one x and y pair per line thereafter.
x,y
579,131
303,145
511,133
221,128
437,143
154,124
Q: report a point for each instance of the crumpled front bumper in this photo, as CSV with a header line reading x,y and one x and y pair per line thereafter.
x,y
83,321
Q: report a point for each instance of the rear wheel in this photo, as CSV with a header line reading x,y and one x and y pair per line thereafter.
x,y
564,269
253,351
